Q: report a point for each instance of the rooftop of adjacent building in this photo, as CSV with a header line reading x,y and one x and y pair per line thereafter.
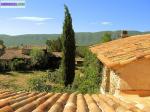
x,y
68,102
123,51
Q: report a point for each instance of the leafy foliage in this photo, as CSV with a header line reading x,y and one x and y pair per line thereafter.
x,y
38,84
89,82
18,64
1,42
2,66
54,45
91,79
106,37
55,76
38,58
68,43
81,51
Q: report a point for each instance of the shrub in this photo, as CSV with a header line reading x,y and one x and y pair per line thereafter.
x,y
55,76
2,66
90,81
54,45
38,58
17,64
38,83
81,51
106,37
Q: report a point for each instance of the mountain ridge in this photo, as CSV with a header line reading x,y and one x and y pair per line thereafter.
x,y
82,38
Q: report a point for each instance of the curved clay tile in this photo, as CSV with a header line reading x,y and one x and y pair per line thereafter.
x,y
21,98
109,101
17,105
102,104
81,104
128,106
71,103
8,100
59,105
93,107
7,109
31,106
48,103
57,102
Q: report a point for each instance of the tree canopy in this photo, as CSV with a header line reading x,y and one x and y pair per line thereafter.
x,y
106,37
38,58
68,43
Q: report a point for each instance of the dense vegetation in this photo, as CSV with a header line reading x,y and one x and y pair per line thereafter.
x,y
106,37
38,61
38,58
54,45
87,78
18,64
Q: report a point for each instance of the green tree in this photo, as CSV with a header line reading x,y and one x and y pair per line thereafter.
x,y
38,58
90,81
1,42
68,43
17,64
54,45
106,38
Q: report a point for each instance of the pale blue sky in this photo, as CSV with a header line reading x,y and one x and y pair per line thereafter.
x,y
46,16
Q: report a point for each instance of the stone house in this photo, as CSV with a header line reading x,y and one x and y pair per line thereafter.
x,y
126,65
10,54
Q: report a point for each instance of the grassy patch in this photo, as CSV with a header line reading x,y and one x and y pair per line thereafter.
x,y
18,80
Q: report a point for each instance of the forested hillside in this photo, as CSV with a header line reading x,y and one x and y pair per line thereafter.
x,y
82,38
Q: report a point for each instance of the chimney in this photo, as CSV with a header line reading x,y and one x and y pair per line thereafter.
x,y
124,34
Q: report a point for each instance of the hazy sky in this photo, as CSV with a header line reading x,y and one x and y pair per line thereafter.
x,y
46,16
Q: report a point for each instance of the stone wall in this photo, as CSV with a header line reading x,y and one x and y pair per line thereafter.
x,y
131,78
110,81
114,83
105,86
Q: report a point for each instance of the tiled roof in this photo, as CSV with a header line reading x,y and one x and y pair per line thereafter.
x,y
62,102
123,51
13,53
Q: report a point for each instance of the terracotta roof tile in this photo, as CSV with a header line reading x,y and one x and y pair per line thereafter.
x,y
123,51
63,102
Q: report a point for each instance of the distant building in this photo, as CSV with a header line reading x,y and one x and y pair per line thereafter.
x,y
126,65
10,54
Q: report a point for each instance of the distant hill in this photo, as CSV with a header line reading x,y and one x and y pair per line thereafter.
x,y
82,38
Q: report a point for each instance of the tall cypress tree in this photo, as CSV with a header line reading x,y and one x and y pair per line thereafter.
x,y
68,43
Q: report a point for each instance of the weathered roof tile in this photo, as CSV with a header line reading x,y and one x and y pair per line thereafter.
x,y
123,51
64,102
